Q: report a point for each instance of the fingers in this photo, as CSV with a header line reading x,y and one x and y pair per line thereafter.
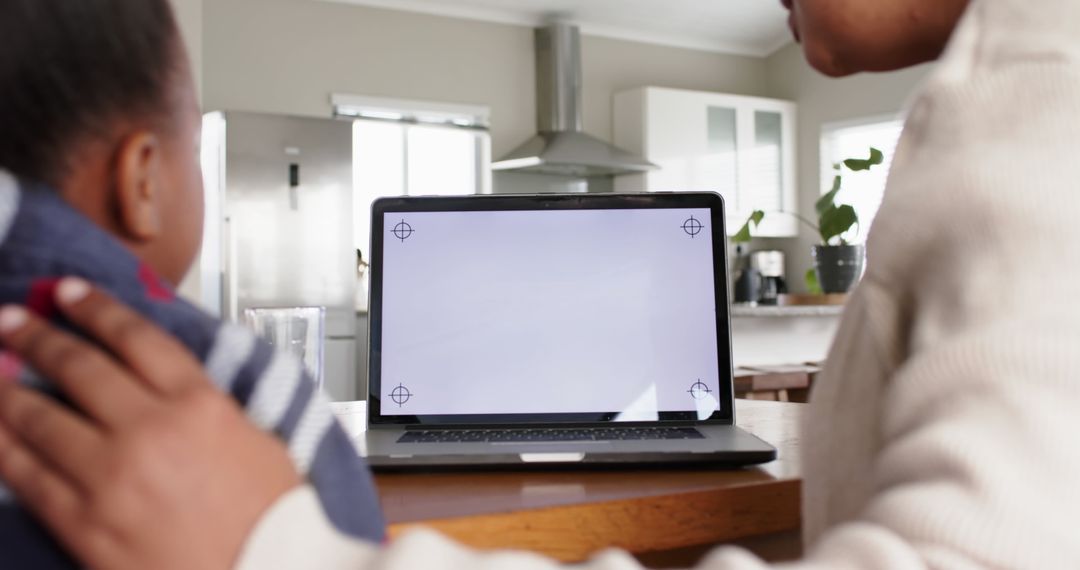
x,y
48,495
156,358
57,436
93,381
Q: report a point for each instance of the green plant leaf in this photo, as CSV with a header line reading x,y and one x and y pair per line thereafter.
x,y
836,221
876,156
825,202
855,164
812,284
743,234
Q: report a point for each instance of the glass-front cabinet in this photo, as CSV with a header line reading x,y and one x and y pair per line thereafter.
x,y
741,147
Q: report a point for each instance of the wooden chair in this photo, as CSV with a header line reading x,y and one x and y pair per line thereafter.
x,y
782,383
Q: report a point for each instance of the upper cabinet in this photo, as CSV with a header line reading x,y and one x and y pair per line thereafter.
x,y
741,147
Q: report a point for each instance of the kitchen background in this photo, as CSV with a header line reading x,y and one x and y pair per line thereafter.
x,y
446,87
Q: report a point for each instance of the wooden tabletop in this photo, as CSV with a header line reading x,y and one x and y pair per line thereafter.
x,y
570,515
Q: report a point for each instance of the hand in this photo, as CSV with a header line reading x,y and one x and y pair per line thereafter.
x,y
161,470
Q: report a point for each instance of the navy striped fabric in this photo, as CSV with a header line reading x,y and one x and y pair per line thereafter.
x,y
42,239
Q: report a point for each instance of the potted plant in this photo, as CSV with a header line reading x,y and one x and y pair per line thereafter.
x,y
837,263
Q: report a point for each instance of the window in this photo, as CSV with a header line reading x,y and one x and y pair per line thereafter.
x,y
863,190
410,148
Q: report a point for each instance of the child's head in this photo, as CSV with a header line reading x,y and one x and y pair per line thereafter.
x,y
97,100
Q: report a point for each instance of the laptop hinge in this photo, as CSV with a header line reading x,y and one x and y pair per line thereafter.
x,y
429,427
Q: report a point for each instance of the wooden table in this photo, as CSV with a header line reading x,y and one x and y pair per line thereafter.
x,y
571,515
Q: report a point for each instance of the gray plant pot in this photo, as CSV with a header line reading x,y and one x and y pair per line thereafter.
x,y
838,266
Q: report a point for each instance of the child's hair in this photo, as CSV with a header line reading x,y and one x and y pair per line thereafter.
x,y
70,68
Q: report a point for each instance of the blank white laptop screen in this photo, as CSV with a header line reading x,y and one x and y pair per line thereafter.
x,y
541,312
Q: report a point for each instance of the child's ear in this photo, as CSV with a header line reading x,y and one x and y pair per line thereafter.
x,y
139,187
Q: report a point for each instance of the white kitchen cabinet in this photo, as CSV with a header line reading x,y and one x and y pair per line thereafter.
x,y
340,369
741,147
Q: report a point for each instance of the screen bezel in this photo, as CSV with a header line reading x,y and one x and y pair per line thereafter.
x,y
548,202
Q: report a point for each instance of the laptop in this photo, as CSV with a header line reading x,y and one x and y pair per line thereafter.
x,y
515,331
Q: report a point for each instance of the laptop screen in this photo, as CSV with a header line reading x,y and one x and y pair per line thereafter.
x,y
609,313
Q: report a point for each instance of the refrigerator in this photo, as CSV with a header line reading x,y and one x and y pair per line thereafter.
x,y
279,228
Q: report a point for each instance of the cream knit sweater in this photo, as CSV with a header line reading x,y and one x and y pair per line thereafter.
x,y
946,430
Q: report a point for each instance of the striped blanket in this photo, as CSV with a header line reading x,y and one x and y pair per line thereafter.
x,y
42,239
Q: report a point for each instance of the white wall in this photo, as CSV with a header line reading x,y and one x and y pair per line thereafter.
x,y
189,14
824,100
288,56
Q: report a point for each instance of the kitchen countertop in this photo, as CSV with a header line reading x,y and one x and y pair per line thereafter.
x,y
786,311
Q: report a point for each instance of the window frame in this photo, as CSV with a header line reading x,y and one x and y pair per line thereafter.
x,y
409,115
829,132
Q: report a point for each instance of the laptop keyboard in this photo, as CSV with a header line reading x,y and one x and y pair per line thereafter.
x,y
549,435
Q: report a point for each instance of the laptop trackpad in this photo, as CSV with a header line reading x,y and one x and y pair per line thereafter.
x,y
552,457
538,451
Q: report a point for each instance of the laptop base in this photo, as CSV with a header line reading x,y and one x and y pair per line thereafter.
x,y
726,446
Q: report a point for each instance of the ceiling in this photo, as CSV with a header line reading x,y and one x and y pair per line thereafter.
x,y
748,27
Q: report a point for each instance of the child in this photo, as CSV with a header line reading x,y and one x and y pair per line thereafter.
x,y
99,178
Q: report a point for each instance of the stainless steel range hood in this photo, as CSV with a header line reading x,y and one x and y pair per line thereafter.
x,y
561,147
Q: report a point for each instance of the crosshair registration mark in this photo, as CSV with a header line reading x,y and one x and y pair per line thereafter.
x,y
403,231
699,391
692,227
400,395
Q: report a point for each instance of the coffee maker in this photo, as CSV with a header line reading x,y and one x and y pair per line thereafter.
x,y
770,266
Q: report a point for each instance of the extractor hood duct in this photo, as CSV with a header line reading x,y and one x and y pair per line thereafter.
x,y
561,147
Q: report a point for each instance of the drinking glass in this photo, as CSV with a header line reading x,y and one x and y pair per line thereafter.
x,y
297,330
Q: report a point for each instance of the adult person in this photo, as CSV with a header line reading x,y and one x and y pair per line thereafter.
x,y
941,434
